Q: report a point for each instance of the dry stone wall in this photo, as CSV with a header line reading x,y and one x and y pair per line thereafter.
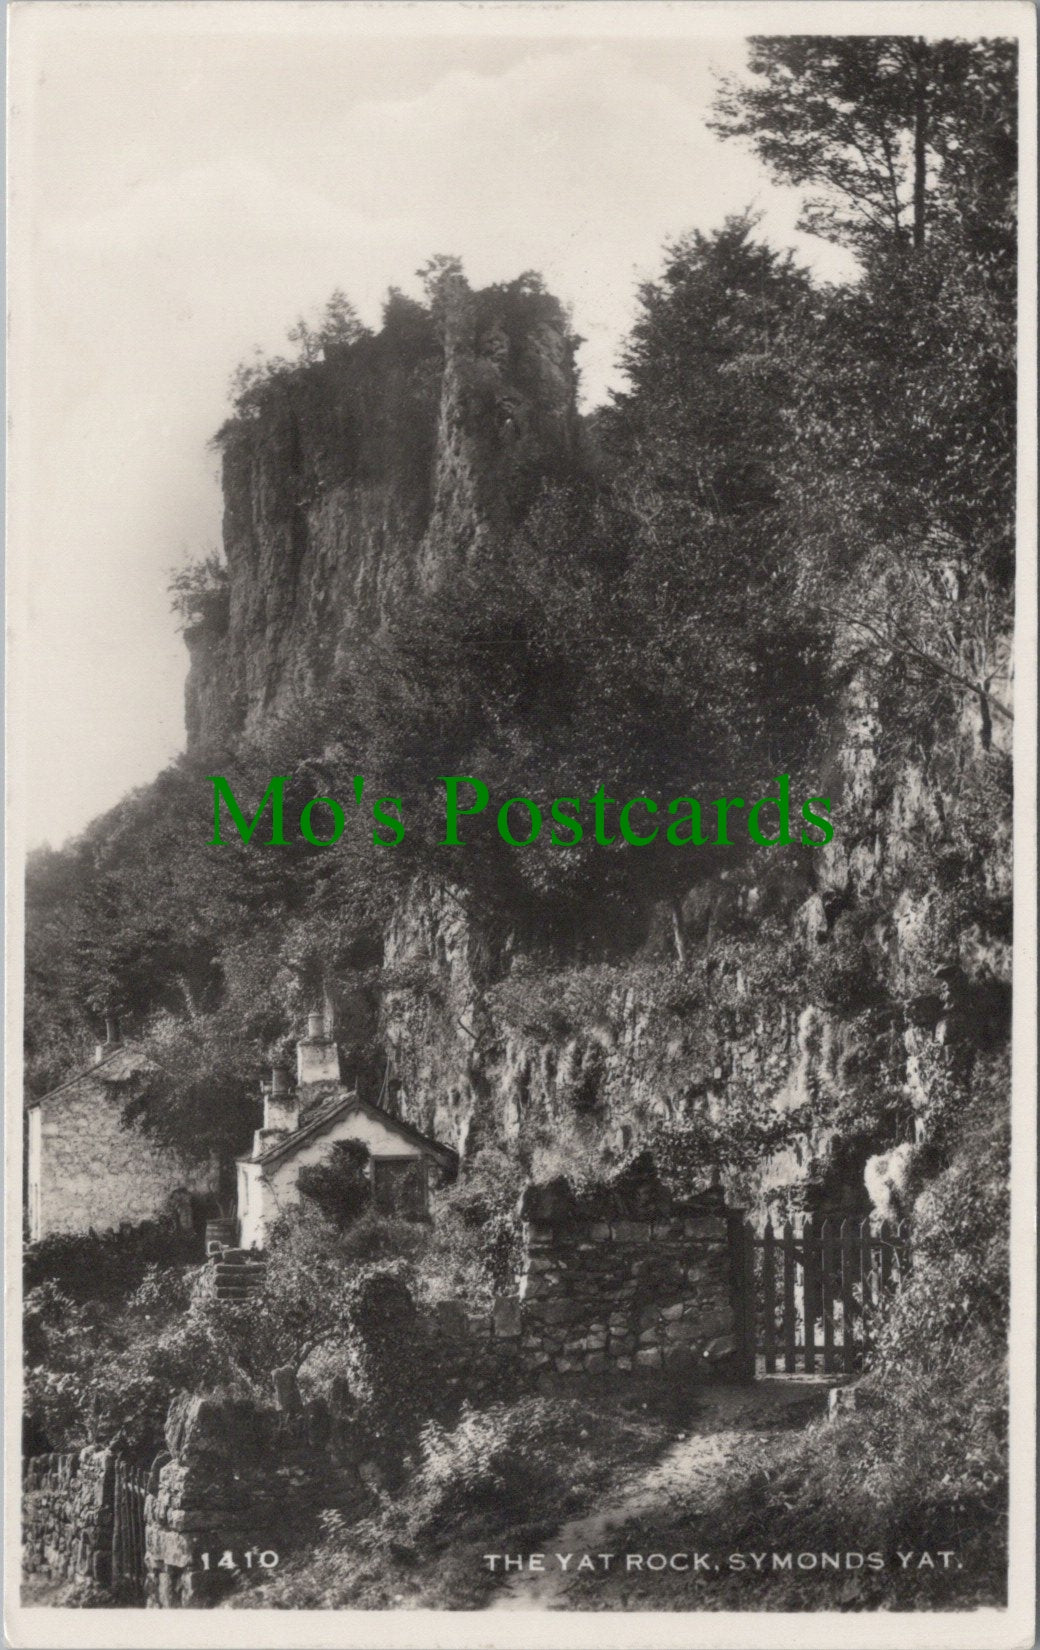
x,y
67,1515
628,1280
241,1479
622,1280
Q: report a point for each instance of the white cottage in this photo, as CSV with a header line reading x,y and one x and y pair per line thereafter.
x,y
301,1124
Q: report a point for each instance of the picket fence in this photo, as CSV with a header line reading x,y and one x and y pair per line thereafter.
x,y
811,1291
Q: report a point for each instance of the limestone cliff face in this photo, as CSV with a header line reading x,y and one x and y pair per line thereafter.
x,y
362,476
842,987
845,988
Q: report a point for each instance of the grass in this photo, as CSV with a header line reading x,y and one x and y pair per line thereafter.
x,y
807,1493
503,1480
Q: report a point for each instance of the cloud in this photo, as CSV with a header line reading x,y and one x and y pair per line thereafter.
x,y
221,207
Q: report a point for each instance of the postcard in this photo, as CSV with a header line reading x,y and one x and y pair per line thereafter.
x,y
521,804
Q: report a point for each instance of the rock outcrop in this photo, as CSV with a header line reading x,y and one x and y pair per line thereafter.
x,y
361,477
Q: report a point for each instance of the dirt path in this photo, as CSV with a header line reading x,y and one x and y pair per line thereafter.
x,y
680,1482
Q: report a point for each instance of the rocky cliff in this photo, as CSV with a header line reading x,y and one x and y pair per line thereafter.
x,y
856,1000
848,994
355,478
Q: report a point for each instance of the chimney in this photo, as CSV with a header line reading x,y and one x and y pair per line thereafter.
x,y
112,1039
281,1111
317,1056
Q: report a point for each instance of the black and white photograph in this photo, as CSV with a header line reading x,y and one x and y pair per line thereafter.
x,y
521,740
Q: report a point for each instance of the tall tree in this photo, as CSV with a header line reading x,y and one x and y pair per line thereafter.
x,y
876,124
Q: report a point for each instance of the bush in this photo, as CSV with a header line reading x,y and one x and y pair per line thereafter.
x,y
686,1148
339,1185
92,1372
921,1463
475,1246
107,1265
199,592
508,1453
501,1476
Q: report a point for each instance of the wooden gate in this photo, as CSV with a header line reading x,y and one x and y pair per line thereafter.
x,y
130,1487
811,1291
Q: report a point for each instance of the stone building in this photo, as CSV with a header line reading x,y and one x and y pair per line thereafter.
x,y
87,1169
302,1123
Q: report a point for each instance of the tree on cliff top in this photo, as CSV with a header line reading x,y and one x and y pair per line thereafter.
x,y
338,328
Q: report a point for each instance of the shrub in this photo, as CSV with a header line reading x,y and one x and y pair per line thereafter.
x,y
507,1453
921,1463
475,1244
199,592
107,1265
500,1476
93,1372
747,1130
339,1185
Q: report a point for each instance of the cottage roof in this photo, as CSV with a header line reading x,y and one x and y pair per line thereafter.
x,y
340,1106
124,1062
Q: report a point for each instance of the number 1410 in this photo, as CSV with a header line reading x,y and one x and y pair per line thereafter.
x,y
250,1560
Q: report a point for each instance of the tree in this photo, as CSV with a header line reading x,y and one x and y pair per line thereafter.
x,y
199,592
944,629
706,362
339,327
443,279
249,387
877,124
204,1091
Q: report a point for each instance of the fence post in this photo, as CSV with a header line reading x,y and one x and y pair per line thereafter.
x,y
790,1324
885,1252
848,1299
810,1256
742,1287
866,1303
769,1295
751,1300
827,1295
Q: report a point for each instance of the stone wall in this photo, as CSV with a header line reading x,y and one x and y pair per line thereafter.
x,y
622,1280
628,1279
67,1515
239,1477
88,1171
245,1479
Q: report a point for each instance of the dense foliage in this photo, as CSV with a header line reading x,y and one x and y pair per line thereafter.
x,y
357,1301
339,1182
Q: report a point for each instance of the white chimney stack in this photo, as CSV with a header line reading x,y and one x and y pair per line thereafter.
x,y
281,1111
317,1056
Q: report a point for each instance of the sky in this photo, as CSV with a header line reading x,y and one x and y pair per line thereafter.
x,y
187,180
